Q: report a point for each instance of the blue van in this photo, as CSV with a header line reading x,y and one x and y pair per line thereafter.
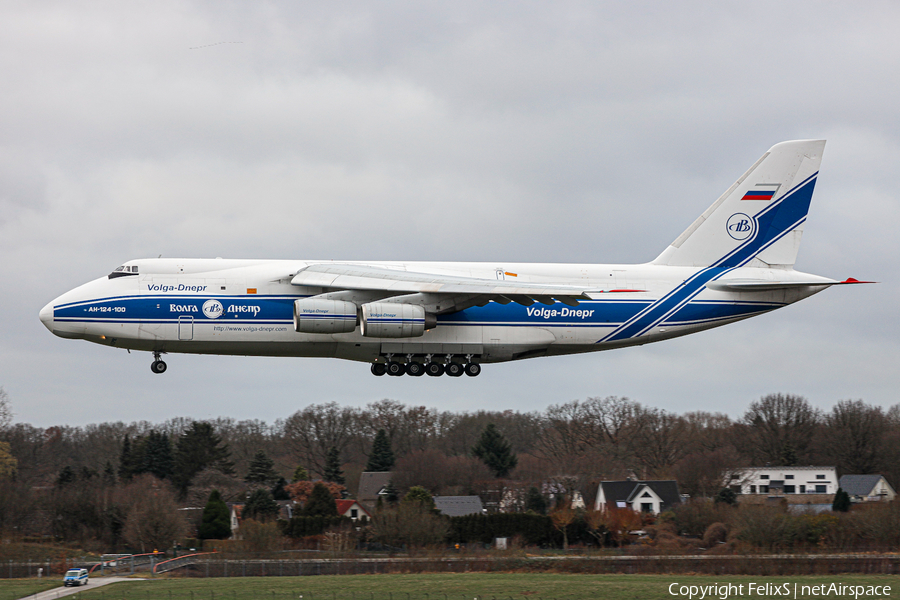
x,y
76,577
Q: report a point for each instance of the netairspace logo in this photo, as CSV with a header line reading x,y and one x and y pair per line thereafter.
x,y
775,590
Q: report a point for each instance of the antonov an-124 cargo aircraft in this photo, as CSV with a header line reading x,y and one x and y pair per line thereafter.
x,y
735,261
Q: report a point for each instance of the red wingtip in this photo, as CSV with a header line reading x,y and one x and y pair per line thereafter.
x,y
852,280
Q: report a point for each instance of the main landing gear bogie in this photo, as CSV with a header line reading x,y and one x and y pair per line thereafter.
x,y
158,366
432,368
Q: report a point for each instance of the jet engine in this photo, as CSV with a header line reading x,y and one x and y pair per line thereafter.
x,y
312,315
394,320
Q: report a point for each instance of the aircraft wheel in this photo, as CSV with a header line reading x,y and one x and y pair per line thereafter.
x,y
415,369
434,369
378,369
158,366
473,369
453,369
395,369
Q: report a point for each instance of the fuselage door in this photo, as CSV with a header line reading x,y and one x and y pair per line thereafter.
x,y
185,327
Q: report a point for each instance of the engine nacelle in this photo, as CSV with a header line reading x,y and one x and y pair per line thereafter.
x,y
314,315
394,320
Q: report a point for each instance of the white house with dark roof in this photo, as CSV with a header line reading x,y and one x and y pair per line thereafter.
x,y
867,488
642,496
783,481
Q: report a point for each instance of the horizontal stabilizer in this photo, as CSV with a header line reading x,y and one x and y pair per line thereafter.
x,y
766,285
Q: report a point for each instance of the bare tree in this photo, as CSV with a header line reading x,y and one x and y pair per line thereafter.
x,y
709,431
778,428
564,433
153,519
660,440
702,473
611,418
562,517
313,431
854,440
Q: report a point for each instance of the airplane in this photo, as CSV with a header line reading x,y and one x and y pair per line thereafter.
x,y
413,318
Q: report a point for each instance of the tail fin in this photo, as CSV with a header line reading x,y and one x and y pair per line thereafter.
x,y
759,220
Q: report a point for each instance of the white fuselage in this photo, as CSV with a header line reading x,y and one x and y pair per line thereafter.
x,y
245,307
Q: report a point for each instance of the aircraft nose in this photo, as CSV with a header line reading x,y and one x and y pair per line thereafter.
x,y
47,316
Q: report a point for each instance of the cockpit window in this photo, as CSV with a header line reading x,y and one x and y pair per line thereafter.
x,y
123,271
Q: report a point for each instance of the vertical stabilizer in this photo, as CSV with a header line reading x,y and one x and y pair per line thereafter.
x,y
759,220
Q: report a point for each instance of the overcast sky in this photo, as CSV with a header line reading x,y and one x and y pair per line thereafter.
x,y
496,131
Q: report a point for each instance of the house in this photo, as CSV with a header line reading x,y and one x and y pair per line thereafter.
x,y
458,506
373,485
783,481
867,488
643,496
235,509
352,509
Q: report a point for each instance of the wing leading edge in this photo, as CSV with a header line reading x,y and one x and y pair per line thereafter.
x,y
346,276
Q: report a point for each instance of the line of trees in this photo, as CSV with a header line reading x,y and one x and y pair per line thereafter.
x,y
573,445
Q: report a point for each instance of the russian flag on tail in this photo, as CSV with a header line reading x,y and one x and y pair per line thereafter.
x,y
764,191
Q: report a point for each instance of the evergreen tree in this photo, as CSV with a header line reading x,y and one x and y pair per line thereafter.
x,y
156,455
333,470
278,490
216,523
300,474
391,495
261,470
197,449
260,506
382,457
726,496
66,476
535,501
841,501
419,495
129,460
320,502
495,452
788,456
109,474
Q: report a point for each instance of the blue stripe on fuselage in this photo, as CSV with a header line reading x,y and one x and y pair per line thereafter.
x,y
169,308
587,313
279,310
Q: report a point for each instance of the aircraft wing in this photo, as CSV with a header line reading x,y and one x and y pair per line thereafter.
x,y
345,276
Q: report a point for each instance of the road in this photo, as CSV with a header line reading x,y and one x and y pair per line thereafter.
x,y
62,592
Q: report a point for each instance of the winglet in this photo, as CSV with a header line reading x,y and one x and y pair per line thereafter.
x,y
851,280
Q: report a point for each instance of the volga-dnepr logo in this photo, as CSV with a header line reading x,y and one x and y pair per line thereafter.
x,y
740,226
213,309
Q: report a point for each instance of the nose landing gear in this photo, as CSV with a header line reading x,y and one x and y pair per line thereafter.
x,y
158,366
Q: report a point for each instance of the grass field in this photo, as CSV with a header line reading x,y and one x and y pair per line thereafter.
x,y
12,589
462,586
